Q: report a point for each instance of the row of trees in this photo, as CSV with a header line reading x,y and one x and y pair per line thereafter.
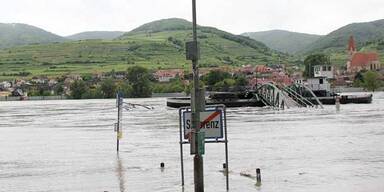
x,y
313,60
137,84
140,83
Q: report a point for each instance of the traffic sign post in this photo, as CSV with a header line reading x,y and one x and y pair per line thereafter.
x,y
118,126
120,104
213,129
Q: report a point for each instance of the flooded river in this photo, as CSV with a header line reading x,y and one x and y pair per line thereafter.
x,y
69,145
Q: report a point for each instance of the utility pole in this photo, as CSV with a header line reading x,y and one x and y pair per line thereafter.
x,y
197,105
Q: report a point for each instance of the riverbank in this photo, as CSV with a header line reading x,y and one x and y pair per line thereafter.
x,y
58,97
63,97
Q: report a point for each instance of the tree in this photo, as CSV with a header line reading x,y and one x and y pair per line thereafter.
x,y
59,89
93,93
139,78
371,80
78,88
224,85
108,88
215,76
241,81
86,77
188,89
125,88
359,79
312,60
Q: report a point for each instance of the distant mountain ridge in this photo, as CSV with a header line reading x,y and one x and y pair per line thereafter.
x,y
177,24
95,35
169,24
338,39
284,41
15,34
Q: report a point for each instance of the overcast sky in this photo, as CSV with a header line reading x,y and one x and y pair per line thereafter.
x,y
66,17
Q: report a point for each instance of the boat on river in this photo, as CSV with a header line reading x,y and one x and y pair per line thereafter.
x,y
345,98
322,89
320,85
229,99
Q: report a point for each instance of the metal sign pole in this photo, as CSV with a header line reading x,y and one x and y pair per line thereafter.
x,y
119,116
120,104
218,138
181,149
226,149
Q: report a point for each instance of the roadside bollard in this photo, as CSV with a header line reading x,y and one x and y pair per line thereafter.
x,y
225,171
337,102
162,166
258,177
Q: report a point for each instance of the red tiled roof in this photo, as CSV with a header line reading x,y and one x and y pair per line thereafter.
x,y
169,73
261,69
363,59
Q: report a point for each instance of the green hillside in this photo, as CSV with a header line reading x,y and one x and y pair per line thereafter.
x,y
15,34
156,50
107,35
375,46
171,24
284,41
338,39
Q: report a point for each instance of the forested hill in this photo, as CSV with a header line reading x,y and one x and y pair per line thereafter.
x,y
284,41
162,47
108,35
338,39
15,34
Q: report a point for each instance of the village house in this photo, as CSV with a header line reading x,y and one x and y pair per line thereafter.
x,y
37,80
5,93
19,83
52,82
5,85
358,61
281,78
167,75
247,70
262,69
68,81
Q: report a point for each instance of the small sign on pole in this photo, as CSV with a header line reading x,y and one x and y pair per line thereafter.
x,y
211,123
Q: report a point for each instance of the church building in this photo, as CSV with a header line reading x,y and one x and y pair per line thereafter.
x,y
358,61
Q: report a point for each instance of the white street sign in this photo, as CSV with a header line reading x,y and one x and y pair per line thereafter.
x,y
211,122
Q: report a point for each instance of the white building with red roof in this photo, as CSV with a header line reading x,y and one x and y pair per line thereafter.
x,y
167,75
